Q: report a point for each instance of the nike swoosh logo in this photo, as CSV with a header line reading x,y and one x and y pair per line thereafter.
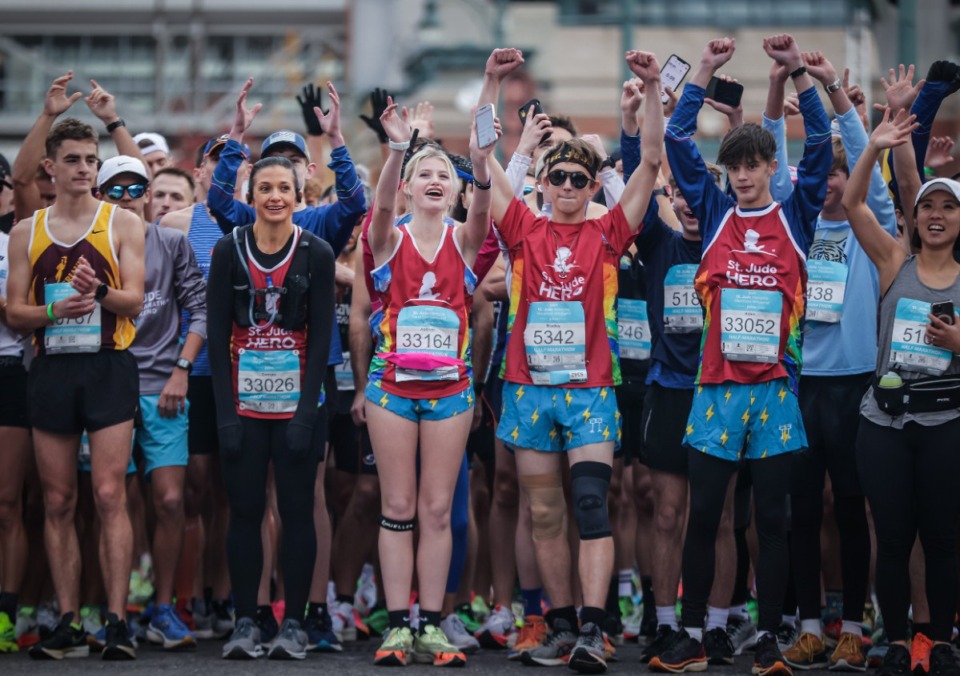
x,y
96,232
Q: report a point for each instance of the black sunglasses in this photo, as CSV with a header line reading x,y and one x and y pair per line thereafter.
x,y
135,191
578,179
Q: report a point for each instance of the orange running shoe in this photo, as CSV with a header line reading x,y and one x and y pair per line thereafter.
x,y
532,634
920,654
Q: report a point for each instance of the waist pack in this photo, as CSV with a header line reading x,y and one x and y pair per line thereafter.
x,y
923,395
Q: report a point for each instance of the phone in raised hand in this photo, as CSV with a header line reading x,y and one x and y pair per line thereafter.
x,y
486,131
672,74
722,91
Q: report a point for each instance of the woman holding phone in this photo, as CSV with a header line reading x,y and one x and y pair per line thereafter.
x,y
910,418
419,397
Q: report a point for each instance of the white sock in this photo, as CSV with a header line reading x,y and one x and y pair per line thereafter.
x,y
695,633
811,627
625,587
741,611
667,615
717,618
854,628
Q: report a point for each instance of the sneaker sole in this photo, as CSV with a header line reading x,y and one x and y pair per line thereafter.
x,y
843,665
238,653
390,659
689,665
777,668
492,641
156,637
279,653
118,653
808,666
723,661
586,662
324,647
532,661
441,660
68,653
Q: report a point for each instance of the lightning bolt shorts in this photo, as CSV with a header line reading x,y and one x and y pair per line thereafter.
x,y
421,409
734,421
552,418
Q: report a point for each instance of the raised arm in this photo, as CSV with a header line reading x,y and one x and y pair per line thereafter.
x,y
103,104
382,234
734,115
360,340
229,212
882,249
473,233
309,98
500,63
636,194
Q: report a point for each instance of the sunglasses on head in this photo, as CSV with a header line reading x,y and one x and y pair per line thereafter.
x,y
578,179
135,191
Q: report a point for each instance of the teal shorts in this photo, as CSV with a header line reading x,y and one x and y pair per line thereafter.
x,y
83,456
552,418
734,421
163,440
421,409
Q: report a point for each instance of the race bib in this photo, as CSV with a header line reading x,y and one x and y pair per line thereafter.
x,y
80,334
634,329
344,374
681,304
826,284
428,330
750,325
269,382
555,341
910,347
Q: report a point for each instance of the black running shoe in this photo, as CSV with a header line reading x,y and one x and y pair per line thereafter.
x,y
118,645
684,654
649,625
64,642
896,662
768,661
267,624
718,646
942,661
661,641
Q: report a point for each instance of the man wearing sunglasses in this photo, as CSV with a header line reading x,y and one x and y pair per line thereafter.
x,y
173,283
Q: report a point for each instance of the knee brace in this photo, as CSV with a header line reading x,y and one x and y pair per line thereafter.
x,y
591,481
547,506
397,526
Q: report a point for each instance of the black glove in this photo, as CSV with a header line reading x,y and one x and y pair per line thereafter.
x,y
230,437
945,71
378,101
299,439
309,100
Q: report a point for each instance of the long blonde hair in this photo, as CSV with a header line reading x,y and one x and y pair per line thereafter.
x,y
427,152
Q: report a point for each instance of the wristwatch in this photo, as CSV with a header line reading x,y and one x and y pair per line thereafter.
x,y
833,86
101,292
184,364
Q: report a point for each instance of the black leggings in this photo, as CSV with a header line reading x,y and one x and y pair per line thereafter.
x,y
709,479
910,478
245,477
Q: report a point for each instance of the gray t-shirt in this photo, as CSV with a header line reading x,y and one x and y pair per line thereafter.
x,y
908,285
172,282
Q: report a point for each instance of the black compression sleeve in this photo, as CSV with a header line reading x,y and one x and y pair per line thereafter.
x,y
320,315
219,329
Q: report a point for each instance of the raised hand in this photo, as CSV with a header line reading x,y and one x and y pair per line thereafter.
x,y
819,67
791,105
900,90
854,93
84,279
394,128
783,49
938,152
724,108
57,102
475,150
644,65
308,100
718,52
243,116
378,102
420,117
672,100
535,129
502,62
330,120
632,97
779,72
597,143
102,103
891,133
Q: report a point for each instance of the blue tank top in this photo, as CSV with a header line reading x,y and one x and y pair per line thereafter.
x,y
203,236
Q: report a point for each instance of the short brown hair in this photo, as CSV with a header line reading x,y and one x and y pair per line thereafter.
x,y
179,173
714,170
69,129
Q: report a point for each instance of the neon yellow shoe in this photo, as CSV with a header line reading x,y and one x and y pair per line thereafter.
x,y
8,635
396,648
433,647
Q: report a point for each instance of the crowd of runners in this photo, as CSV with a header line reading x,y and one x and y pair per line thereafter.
x,y
542,409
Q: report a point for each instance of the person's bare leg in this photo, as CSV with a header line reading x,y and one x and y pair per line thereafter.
x,y
13,537
356,534
670,513
504,510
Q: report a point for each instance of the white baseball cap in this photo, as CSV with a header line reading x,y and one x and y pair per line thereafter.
x,y
121,164
947,184
156,143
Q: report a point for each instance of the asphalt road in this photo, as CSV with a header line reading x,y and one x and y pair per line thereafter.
x,y
357,658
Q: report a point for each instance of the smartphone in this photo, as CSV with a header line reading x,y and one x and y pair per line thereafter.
x,y
537,110
943,311
725,92
672,74
486,132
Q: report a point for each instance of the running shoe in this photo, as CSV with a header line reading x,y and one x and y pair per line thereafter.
x,y
366,597
320,635
649,625
663,639
469,617
920,654
203,618
869,622
685,653
831,632
589,653
767,659
378,621
453,627
786,635
8,635
91,620
267,624
631,620
613,629
896,661
168,629
290,643
718,647
222,619
742,633
28,631
532,635
396,649
244,643
807,653
433,647
479,607
118,646
942,661
848,655
47,618
496,631
343,623
64,642
555,649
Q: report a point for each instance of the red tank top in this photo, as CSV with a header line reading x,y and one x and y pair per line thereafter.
x,y
751,281
268,362
425,325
